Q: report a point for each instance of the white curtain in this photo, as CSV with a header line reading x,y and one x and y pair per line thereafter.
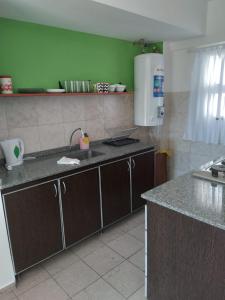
x,y
206,116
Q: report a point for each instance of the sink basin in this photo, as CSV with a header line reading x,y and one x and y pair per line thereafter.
x,y
83,154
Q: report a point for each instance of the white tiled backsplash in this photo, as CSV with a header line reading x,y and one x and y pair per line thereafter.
x,y
47,122
185,155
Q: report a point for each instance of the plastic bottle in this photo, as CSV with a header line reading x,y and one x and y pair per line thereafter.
x,y
84,141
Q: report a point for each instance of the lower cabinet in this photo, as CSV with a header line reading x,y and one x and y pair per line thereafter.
x,y
142,177
34,225
37,214
115,185
81,205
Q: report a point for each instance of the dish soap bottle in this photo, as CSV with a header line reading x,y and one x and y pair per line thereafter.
x,y
84,141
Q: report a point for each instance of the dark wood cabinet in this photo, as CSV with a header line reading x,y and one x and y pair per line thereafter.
x,y
115,185
186,257
142,177
46,217
34,225
81,205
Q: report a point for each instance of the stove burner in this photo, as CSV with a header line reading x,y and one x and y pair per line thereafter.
x,y
218,168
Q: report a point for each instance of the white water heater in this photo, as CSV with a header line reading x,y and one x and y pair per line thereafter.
x,y
149,89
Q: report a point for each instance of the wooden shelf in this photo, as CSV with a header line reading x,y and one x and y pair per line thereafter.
x,y
65,94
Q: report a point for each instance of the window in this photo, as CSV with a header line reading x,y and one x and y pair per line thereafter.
x,y
206,118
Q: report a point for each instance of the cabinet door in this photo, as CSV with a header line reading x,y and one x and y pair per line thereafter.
x,y
115,180
81,205
34,224
142,177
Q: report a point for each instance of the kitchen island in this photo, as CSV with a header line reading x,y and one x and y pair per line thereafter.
x,y
186,240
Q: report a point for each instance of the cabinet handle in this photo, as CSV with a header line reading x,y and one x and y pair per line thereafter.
x,y
133,162
56,190
128,166
64,187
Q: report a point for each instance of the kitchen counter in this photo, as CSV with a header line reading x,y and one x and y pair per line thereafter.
x,y
185,240
195,198
46,165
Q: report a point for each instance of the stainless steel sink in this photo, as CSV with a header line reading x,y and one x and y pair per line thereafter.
x,y
83,154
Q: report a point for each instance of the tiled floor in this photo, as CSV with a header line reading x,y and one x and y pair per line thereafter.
x,y
108,266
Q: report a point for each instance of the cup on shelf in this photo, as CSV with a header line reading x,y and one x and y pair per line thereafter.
x,y
66,85
6,84
102,87
76,86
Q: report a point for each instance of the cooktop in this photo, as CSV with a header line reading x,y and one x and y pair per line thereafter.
x,y
213,171
120,142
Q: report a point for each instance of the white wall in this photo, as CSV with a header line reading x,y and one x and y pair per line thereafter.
x,y
179,55
187,14
6,268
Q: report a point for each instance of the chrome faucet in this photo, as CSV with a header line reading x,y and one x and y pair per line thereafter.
x,y
71,137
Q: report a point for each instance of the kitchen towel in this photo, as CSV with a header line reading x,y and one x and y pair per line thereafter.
x,y
68,161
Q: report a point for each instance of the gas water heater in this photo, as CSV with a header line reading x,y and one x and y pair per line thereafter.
x,y
149,89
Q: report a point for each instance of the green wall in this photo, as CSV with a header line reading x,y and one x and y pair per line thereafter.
x,y
39,56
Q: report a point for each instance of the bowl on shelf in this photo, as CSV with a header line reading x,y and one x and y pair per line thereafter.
x,y
112,88
120,88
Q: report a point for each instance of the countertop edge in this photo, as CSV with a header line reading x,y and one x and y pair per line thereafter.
x,y
191,215
144,147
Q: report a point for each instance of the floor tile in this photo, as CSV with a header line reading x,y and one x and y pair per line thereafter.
x,y
7,294
138,232
127,225
138,259
103,260
75,278
100,290
126,245
87,247
139,217
111,234
30,279
47,290
139,295
60,262
125,278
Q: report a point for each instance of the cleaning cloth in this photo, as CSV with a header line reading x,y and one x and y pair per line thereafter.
x,y
68,161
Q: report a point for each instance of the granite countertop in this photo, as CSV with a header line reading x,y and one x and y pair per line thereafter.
x,y
46,165
193,197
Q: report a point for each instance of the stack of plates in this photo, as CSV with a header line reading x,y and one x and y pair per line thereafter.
x,y
55,91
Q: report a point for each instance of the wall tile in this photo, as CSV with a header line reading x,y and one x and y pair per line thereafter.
x,y
3,136
201,148
197,160
217,150
48,110
180,160
51,136
117,123
178,144
21,112
30,136
95,129
93,107
47,122
117,107
73,109
69,128
3,121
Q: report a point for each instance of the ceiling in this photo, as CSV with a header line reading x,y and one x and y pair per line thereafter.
x,y
92,17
